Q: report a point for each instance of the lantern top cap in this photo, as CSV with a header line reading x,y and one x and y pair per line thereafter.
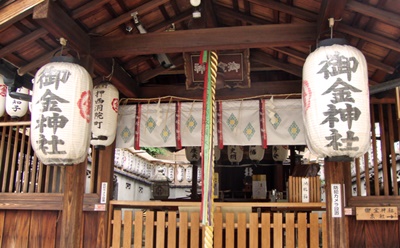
x,y
332,41
66,59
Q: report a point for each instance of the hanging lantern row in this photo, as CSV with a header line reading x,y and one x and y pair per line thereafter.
x,y
280,153
336,101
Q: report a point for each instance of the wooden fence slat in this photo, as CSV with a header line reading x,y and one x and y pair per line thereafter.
x,y
265,230
7,162
127,229
302,230
149,229
194,229
314,230
14,160
17,223
25,182
33,177
241,230
116,234
229,230
2,217
289,234
383,150
172,230
20,161
358,176
278,229
2,165
366,173
43,229
218,230
324,232
253,234
160,231
290,191
392,151
40,177
374,151
47,179
138,230
183,229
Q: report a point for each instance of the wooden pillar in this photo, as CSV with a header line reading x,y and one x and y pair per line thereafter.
x,y
71,224
105,175
336,226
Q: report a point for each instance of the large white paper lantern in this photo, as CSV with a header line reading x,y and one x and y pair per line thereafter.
x,y
235,154
336,101
3,95
17,108
256,153
104,117
280,153
61,112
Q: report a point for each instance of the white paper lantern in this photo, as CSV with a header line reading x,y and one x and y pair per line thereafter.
x,y
180,172
279,153
256,153
336,101
3,95
171,173
192,153
118,157
104,117
235,154
17,108
61,112
189,171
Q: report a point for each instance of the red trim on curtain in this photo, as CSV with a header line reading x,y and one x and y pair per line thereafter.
x,y
178,136
263,125
137,126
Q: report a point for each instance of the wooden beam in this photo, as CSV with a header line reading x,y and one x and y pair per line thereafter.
x,y
329,9
186,15
143,9
205,39
287,9
290,87
267,59
379,14
50,16
373,38
149,74
126,85
25,40
16,11
35,64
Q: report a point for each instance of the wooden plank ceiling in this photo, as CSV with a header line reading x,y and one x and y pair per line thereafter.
x,y
279,33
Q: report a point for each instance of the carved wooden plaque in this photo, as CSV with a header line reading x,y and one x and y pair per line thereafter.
x,y
234,64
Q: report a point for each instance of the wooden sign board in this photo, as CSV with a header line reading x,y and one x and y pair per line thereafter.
x,y
234,64
376,213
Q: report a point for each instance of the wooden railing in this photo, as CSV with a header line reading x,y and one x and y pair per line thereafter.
x,y
170,224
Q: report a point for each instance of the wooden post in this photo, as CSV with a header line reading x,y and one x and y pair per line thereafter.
x,y
71,224
105,175
336,226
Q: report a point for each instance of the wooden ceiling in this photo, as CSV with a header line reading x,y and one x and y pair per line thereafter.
x,y
279,34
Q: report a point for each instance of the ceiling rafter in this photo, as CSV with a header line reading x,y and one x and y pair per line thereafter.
x,y
373,38
22,42
149,74
205,39
245,18
142,9
379,14
87,8
267,59
16,11
293,11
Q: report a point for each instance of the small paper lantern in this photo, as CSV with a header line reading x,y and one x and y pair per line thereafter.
x,y
235,154
336,101
180,172
279,153
105,113
61,112
118,157
217,153
192,153
17,108
171,173
189,171
256,153
3,95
